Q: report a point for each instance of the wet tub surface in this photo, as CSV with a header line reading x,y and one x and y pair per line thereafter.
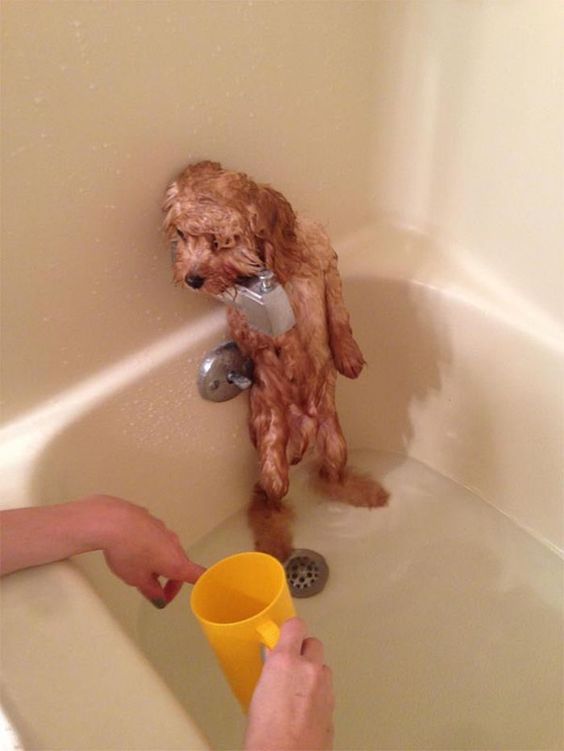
x,y
441,620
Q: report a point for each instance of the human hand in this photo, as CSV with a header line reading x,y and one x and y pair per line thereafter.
x,y
139,549
292,707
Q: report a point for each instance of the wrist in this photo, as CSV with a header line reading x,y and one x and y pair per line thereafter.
x,y
43,534
99,519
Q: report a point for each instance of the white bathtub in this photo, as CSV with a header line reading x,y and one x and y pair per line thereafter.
x,y
461,378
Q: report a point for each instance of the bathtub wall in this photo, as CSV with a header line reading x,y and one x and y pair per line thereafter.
x,y
104,102
441,116
468,144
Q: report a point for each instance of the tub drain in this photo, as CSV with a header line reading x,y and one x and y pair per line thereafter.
x,y
307,573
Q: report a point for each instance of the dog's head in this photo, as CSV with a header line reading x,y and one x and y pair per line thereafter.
x,y
224,227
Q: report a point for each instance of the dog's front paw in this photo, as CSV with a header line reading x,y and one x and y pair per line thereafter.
x,y
348,358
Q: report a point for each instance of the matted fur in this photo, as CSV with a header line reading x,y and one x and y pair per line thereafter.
x,y
224,227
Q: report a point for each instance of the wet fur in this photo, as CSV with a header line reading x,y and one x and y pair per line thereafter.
x,y
225,226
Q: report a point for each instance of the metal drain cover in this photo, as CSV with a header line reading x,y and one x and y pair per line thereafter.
x,y
307,573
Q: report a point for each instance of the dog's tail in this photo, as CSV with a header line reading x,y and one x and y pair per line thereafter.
x,y
271,524
354,488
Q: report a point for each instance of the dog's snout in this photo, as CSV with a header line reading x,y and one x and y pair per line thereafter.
x,y
194,281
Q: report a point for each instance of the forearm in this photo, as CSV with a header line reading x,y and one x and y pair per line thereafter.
x,y
137,547
43,534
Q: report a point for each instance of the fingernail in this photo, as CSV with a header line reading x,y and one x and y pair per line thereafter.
x,y
159,603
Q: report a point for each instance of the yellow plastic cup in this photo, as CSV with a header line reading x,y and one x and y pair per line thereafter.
x,y
241,602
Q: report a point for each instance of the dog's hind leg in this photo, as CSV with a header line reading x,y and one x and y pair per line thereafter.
x,y
335,479
269,519
330,442
302,429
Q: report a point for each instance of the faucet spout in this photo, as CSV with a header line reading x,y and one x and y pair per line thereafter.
x,y
264,302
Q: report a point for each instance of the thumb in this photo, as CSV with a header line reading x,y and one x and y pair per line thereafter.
x,y
292,635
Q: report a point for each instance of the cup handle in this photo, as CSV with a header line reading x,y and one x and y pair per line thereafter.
x,y
269,633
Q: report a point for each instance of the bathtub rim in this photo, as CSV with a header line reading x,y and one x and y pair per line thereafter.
x,y
414,262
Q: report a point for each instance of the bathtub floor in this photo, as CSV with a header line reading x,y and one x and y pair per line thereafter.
x,y
441,620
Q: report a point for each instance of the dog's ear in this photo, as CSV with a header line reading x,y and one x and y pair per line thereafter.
x,y
273,223
271,214
170,209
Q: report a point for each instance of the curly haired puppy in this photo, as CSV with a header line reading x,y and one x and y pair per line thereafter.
x,y
226,227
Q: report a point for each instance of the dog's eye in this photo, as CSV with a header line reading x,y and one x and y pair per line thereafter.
x,y
180,234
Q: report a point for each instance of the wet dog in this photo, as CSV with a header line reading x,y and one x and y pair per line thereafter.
x,y
225,228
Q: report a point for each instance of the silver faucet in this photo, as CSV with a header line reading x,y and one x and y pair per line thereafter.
x,y
264,302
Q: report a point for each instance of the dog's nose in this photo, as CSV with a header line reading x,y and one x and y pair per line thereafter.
x,y
194,281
